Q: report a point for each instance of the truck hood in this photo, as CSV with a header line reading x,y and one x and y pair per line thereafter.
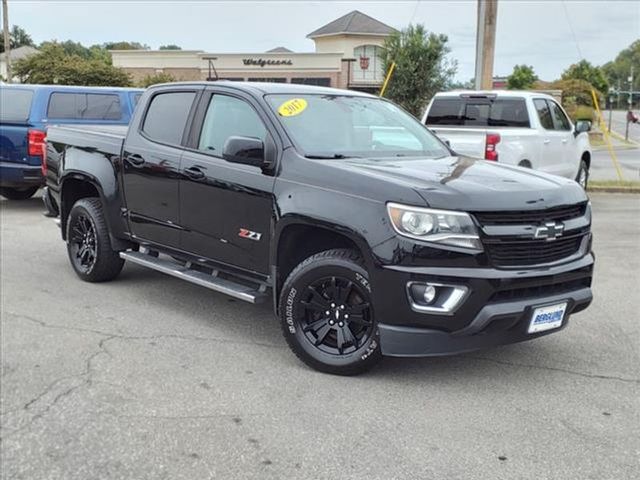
x,y
463,183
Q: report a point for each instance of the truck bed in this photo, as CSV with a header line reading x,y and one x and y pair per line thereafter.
x,y
106,138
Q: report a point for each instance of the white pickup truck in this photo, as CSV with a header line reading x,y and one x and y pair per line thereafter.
x,y
527,129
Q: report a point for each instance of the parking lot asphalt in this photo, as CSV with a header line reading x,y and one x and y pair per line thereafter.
x,y
148,377
603,168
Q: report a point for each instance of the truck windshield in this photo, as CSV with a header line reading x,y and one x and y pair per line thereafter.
x,y
341,126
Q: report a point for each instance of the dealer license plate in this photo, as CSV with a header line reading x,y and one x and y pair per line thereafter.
x,y
547,318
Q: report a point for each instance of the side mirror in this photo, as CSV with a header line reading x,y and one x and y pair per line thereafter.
x,y
582,126
245,150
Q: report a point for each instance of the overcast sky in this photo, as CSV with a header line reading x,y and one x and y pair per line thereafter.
x,y
537,33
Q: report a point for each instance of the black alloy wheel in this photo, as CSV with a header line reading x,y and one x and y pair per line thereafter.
x,y
83,244
327,315
337,318
89,244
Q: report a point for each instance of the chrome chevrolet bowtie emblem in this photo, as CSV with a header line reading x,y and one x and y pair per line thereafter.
x,y
550,231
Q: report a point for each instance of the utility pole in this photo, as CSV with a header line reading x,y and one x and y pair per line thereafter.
x,y
630,101
7,39
485,43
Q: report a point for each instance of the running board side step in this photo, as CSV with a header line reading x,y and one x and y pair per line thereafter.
x,y
210,281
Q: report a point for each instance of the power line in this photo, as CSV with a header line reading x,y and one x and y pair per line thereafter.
x,y
573,33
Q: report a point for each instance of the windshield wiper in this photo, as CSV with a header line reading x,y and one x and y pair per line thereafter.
x,y
334,156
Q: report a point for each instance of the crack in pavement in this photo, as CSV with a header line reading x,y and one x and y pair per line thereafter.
x,y
146,337
87,374
561,370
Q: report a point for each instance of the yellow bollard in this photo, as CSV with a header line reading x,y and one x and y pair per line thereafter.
x,y
605,132
386,80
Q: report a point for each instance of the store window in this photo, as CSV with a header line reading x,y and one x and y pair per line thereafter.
x,y
269,80
318,81
368,67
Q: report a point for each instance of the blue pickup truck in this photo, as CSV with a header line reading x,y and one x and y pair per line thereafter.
x,y
27,110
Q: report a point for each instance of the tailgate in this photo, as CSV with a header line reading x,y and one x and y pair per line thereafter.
x,y
13,144
466,141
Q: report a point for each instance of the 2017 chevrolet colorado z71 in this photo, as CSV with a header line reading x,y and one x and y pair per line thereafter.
x,y
369,235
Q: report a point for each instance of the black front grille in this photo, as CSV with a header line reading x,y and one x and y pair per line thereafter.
x,y
531,252
540,290
558,214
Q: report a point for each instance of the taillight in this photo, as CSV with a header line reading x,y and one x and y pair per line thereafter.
x,y
38,147
491,142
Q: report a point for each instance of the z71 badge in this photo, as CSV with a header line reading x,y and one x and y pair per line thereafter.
x,y
244,233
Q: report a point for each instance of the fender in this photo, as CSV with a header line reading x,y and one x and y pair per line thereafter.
x,y
98,170
348,232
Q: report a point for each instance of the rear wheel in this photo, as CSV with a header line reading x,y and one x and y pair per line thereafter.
x,y
327,314
583,175
18,193
88,243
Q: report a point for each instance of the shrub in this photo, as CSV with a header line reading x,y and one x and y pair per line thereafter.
x,y
155,79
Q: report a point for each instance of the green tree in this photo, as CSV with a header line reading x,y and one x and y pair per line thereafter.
x,y
618,70
156,78
125,46
522,78
583,70
170,47
422,68
53,65
18,37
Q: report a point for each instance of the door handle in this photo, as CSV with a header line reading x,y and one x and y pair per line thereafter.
x,y
194,173
564,140
136,159
547,141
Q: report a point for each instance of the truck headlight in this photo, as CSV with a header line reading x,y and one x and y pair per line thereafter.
x,y
440,226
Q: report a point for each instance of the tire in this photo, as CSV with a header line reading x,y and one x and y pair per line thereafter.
x,y
327,316
525,164
88,243
18,193
583,175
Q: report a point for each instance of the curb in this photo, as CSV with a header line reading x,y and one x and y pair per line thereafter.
x,y
604,148
613,189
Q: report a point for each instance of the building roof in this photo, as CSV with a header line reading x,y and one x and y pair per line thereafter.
x,y
270,88
353,23
279,50
19,53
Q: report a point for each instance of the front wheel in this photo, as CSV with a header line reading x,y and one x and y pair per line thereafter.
x,y
88,243
18,193
583,174
327,314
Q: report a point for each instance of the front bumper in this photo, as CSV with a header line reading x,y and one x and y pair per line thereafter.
x,y
496,324
497,310
17,175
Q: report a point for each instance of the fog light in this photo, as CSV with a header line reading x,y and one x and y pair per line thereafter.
x,y
429,294
436,298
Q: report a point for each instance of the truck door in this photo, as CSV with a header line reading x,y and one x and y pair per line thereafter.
x,y
562,125
226,208
151,166
551,157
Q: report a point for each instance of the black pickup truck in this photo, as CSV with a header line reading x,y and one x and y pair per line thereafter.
x,y
370,235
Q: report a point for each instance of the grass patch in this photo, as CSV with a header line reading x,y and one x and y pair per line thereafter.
x,y
615,183
614,186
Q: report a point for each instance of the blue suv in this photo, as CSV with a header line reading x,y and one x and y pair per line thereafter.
x,y
27,110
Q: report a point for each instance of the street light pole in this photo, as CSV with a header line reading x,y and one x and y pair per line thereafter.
x,y
7,38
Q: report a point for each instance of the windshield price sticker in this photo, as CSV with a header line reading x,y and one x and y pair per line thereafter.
x,y
292,107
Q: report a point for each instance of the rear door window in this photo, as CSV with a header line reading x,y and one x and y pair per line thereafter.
x,y
84,106
167,116
479,112
16,105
